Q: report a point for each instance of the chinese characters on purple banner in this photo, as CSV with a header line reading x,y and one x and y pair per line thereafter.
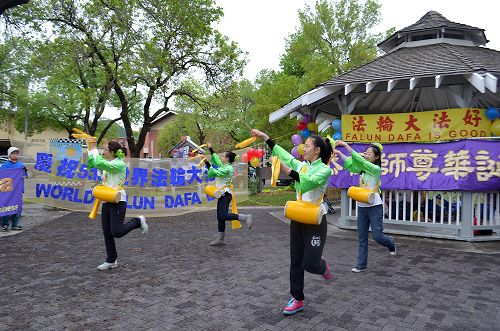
x,y
463,165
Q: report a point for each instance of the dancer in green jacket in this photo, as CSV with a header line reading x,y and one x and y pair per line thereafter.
x,y
306,240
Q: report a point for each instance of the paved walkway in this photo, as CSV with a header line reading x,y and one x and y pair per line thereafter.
x,y
171,279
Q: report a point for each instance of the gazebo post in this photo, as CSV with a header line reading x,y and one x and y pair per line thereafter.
x,y
465,231
344,206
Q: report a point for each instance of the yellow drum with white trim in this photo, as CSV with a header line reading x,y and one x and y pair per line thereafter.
x,y
213,191
303,212
361,194
106,193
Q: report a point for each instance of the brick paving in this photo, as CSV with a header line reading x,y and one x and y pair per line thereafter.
x,y
171,279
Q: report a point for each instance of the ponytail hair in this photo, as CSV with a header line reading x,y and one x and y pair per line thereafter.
x,y
325,147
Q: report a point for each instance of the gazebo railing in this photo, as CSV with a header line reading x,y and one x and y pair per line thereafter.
x,y
461,215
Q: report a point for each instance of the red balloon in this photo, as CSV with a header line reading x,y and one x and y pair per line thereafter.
x,y
301,125
260,153
244,158
251,153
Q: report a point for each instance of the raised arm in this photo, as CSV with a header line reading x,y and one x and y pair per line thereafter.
x,y
356,162
279,151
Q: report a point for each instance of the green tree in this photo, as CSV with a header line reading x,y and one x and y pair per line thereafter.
x,y
273,90
72,90
145,49
14,79
217,117
182,124
332,39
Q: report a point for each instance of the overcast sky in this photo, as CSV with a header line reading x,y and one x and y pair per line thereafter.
x,y
261,26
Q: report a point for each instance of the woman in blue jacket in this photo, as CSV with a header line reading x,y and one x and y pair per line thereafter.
x,y
12,163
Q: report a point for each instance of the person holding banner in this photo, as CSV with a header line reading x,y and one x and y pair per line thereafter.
x,y
223,179
370,212
113,214
12,163
307,239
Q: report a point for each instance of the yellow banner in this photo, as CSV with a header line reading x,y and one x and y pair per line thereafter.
x,y
447,124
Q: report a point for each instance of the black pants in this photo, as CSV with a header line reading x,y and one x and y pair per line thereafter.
x,y
306,247
223,213
113,215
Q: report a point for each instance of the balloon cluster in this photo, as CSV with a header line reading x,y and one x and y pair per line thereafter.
x,y
337,127
306,128
253,156
493,114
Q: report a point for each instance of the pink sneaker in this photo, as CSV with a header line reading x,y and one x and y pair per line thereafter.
x,y
328,274
293,306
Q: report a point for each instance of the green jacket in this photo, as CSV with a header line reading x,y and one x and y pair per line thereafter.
x,y
114,171
370,177
313,181
223,174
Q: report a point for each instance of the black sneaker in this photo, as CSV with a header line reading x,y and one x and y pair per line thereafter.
x,y
16,228
393,251
5,228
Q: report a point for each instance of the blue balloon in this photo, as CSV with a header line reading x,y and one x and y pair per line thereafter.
x,y
306,133
492,113
337,135
336,124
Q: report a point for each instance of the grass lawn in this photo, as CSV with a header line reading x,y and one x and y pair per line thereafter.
x,y
268,199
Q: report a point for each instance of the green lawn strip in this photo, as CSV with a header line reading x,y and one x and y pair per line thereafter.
x,y
268,199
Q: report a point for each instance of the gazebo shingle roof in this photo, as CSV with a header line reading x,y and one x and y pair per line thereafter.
x,y
424,61
431,23
431,64
432,20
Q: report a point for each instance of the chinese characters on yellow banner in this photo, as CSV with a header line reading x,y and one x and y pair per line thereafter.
x,y
448,124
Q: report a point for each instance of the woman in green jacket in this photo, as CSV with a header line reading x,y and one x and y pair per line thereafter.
x,y
223,179
369,168
306,240
113,214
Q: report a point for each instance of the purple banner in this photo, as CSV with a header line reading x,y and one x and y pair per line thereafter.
x,y
11,191
467,165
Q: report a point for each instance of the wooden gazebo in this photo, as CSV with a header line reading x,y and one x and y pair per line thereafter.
x,y
433,64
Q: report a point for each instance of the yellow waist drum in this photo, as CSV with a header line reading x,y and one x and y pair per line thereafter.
x,y
106,193
303,212
361,194
213,191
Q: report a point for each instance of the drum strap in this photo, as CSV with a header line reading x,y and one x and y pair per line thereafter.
x,y
317,201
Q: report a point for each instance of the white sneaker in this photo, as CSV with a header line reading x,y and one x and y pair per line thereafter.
x,y
217,242
357,270
107,265
394,252
144,225
248,220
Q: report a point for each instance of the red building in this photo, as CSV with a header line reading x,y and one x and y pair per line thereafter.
x,y
150,148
